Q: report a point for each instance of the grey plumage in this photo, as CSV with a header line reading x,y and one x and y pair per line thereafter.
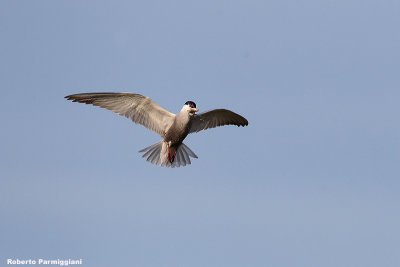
x,y
215,118
133,106
173,128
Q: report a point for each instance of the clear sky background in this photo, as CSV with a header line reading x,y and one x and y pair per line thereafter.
x,y
312,181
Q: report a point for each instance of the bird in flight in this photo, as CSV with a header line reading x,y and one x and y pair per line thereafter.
x,y
173,128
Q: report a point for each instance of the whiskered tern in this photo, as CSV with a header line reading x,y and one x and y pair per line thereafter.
x,y
173,128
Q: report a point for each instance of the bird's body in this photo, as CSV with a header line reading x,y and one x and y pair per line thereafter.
x,y
179,129
173,128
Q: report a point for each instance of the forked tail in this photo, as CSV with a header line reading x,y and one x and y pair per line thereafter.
x,y
158,154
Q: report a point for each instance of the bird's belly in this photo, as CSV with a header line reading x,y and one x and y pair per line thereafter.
x,y
176,136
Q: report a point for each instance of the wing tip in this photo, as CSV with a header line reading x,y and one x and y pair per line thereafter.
x,y
73,98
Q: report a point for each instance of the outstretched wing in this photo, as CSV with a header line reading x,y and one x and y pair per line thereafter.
x,y
215,118
140,109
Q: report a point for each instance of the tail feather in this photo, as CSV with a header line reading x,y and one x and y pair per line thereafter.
x,y
180,158
158,154
149,152
153,157
189,151
185,156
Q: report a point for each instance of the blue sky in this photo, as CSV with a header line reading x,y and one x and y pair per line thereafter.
x,y
312,181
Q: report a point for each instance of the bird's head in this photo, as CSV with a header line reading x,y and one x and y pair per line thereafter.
x,y
190,107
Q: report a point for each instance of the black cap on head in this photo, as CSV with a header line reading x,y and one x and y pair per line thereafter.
x,y
191,104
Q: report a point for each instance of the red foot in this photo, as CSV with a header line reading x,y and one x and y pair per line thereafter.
x,y
169,155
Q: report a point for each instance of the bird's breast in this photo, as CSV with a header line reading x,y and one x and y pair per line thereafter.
x,y
178,131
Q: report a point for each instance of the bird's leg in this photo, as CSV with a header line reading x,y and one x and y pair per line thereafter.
x,y
169,155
